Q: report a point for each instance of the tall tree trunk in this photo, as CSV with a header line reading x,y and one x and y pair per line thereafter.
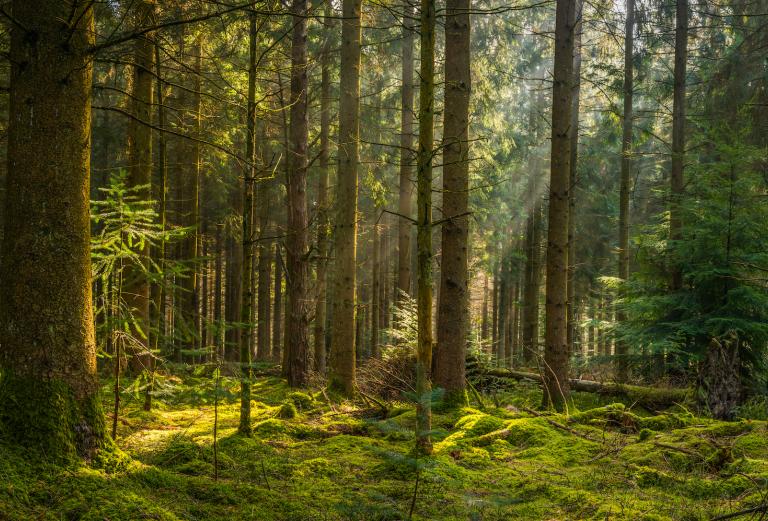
x,y
424,227
453,312
503,314
218,286
342,367
249,180
322,194
136,281
297,241
495,307
556,390
573,177
48,389
404,225
622,365
678,138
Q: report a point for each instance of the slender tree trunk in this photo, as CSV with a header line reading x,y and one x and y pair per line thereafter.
x,y
323,223
404,225
573,177
277,313
297,241
376,293
495,310
49,399
342,367
622,366
678,138
453,311
532,284
217,291
424,227
249,180
556,391
484,317
503,314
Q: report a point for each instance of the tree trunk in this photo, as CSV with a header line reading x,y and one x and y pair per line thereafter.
x,y
297,241
622,366
720,377
484,312
404,225
322,194
573,178
556,364
453,310
424,227
277,308
342,367
249,180
532,283
376,293
48,390
678,138
136,282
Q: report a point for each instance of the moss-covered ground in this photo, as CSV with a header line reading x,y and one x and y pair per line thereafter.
x,y
311,458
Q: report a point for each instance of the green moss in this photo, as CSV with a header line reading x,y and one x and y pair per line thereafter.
x,y
48,420
287,411
302,401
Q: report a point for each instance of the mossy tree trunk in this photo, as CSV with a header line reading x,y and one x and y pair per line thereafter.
x,y
453,309
48,388
556,354
342,367
424,227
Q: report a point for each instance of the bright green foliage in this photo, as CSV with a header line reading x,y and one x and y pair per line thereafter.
x,y
498,464
723,255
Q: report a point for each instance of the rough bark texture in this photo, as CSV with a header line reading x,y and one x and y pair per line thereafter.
x,y
48,388
297,241
322,195
424,227
404,226
573,177
249,179
277,308
376,290
342,366
556,390
720,377
136,282
532,285
453,310
678,135
626,165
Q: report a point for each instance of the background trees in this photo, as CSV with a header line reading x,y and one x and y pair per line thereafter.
x,y
273,163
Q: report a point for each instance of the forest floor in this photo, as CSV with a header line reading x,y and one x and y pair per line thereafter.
x,y
311,459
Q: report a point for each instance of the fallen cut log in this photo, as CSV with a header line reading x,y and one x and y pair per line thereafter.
x,y
649,397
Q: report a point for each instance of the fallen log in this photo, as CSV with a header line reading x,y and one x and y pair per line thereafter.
x,y
649,397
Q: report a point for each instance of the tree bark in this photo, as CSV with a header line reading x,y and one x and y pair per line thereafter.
x,y
277,308
453,309
343,352
249,179
424,227
136,282
48,390
573,177
556,361
622,366
678,138
297,241
404,226
323,223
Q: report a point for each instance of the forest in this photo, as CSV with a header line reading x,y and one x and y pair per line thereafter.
x,y
383,260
